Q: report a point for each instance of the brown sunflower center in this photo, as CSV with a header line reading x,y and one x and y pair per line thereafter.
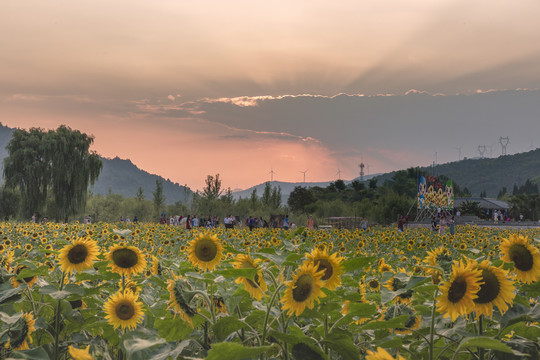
x,y
325,265
75,304
521,256
125,258
125,310
458,289
303,288
373,284
206,250
77,254
490,289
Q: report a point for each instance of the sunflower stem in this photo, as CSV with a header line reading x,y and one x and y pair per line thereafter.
x,y
326,351
480,331
432,326
57,320
28,294
270,304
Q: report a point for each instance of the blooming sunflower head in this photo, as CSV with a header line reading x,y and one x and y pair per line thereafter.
x,y
126,260
205,251
438,257
303,290
381,354
396,284
331,264
80,354
458,293
256,287
496,290
123,310
525,256
79,255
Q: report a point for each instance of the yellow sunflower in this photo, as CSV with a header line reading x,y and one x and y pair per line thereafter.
x,y
303,290
381,354
30,281
126,260
78,256
123,310
459,292
205,251
156,266
179,298
526,257
24,336
256,287
374,284
331,264
497,289
80,354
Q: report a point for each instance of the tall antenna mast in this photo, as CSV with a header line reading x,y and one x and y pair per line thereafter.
x,y
362,165
338,173
459,151
304,172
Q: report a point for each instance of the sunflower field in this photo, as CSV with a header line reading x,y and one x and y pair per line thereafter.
x,y
149,291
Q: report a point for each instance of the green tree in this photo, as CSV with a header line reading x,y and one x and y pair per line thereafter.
x,y
159,198
58,163
212,190
73,168
299,198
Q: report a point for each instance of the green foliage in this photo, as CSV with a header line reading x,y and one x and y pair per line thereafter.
x,y
56,163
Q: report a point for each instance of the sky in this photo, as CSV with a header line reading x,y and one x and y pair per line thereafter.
x,y
261,90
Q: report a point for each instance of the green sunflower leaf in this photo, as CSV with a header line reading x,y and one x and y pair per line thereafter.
x,y
227,325
234,351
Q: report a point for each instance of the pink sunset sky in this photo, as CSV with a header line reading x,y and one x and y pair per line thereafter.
x,y
186,89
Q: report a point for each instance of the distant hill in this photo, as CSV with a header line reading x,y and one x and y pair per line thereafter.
x,y
488,174
123,177
118,176
287,187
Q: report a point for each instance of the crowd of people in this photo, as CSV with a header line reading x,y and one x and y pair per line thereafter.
x,y
230,222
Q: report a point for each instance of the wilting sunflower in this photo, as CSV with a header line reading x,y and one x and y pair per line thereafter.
x,y
205,251
179,298
412,323
126,260
396,284
28,280
526,257
25,325
497,289
79,255
303,290
381,354
156,266
256,287
331,264
459,292
80,354
123,310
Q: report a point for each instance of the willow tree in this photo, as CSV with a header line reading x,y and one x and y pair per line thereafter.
x,y
55,164
27,169
73,167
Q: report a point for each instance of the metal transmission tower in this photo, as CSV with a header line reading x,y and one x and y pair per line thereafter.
x,y
459,151
504,143
481,150
304,172
338,174
361,171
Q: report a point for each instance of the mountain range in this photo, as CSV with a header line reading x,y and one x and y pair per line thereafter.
x,y
489,175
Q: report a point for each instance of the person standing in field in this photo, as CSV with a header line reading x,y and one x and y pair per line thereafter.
x,y
310,223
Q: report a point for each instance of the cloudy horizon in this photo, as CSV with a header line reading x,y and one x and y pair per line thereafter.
x,y
190,89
